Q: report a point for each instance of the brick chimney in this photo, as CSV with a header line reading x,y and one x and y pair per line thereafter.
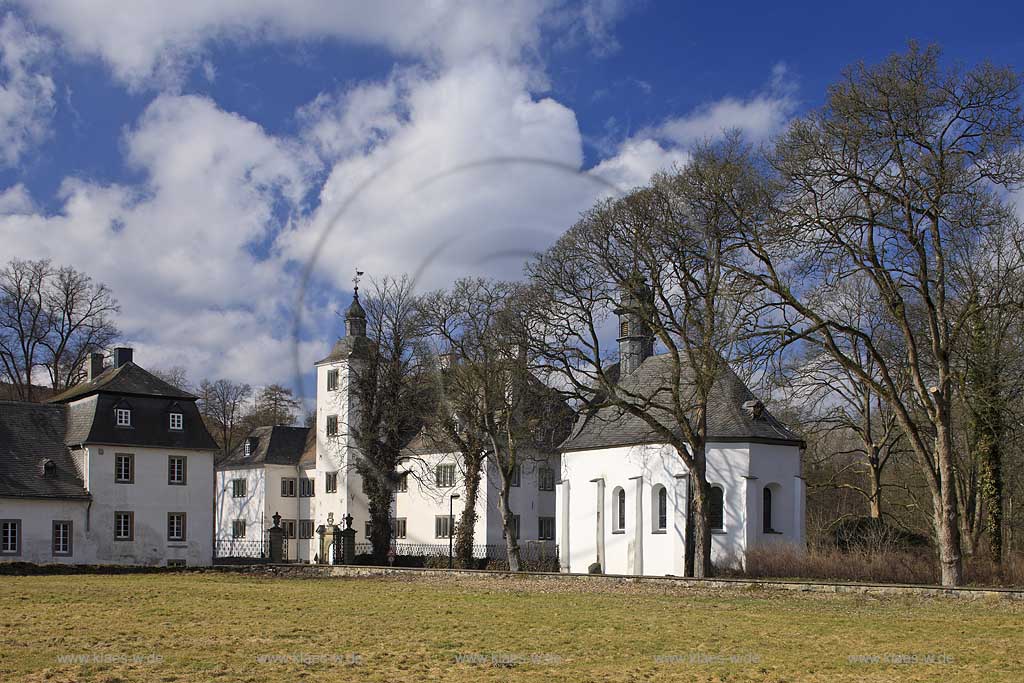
x,y
122,355
94,366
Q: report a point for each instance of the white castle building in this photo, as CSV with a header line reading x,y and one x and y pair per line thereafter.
x,y
308,477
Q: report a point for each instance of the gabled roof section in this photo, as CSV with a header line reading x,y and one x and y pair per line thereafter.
x,y
129,380
728,419
277,445
31,433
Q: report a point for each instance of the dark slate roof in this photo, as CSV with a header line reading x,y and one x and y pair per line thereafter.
x,y
276,445
728,421
29,434
128,380
348,347
91,420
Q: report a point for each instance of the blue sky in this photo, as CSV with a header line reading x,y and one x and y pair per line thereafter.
x,y
190,154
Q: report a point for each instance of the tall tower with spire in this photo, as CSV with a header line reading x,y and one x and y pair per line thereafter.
x,y
335,417
636,341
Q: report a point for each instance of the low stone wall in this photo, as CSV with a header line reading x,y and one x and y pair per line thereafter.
x,y
354,571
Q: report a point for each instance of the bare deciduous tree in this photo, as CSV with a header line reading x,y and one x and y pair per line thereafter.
x,y
221,403
893,181
665,258
52,318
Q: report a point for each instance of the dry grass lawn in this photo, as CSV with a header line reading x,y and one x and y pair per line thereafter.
x,y
205,627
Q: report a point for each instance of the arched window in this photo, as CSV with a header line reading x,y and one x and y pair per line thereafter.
x,y
619,516
659,498
766,511
716,509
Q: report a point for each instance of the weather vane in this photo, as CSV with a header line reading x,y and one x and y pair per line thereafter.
x,y
355,281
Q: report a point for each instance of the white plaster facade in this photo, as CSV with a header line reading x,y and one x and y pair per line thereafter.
x,y
587,528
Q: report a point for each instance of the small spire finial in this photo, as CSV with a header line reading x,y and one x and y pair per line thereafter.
x,y
355,282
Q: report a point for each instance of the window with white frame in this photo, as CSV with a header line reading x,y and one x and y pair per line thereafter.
x,y
331,482
124,468
444,475
290,527
175,526
123,417
546,528
10,537
444,526
124,526
716,509
288,487
247,448
62,537
306,487
239,488
546,479
619,511
176,470
398,527
660,504
177,422
238,528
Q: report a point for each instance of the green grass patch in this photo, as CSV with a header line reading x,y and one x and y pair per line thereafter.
x,y
232,627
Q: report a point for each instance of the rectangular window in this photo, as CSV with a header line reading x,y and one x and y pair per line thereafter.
x,y
123,417
10,537
332,425
306,487
62,537
177,422
368,529
176,470
403,482
444,526
515,527
124,468
247,450
305,528
239,488
288,488
332,380
517,475
445,475
331,482
238,528
546,528
398,527
175,526
546,479
124,526
289,527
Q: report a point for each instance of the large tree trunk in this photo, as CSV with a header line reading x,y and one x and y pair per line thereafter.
x,y
701,528
511,538
380,520
874,486
947,527
467,521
